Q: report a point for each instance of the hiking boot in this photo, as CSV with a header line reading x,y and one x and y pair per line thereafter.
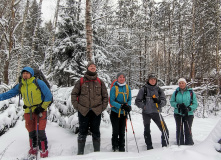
x,y
121,149
33,148
96,144
81,144
32,151
114,148
149,147
44,154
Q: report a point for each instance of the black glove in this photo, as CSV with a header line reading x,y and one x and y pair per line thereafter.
x,y
24,107
39,110
156,100
189,109
181,106
126,107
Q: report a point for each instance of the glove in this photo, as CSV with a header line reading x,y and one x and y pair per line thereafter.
x,y
39,110
181,106
24,107
156,100
126,107
189,109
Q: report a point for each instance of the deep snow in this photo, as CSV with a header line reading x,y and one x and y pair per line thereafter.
x,y
63,142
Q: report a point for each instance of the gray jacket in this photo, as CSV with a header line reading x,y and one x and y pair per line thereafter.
x,y
147,103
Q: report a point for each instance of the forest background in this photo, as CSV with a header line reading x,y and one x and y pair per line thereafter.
x,y
173,38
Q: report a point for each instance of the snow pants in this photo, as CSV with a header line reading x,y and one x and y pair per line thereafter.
x,y
147,136
31,126
118,131
184,127
90,120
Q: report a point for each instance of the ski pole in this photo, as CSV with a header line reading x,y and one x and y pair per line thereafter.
x,y
133,131
181,126
39,115
162,124
126,137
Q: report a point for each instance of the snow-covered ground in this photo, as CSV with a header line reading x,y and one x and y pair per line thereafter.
x,y
63,142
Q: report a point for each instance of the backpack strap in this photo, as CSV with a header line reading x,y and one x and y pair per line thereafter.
x,y
117,92
82,80
191,96
127,90
99,81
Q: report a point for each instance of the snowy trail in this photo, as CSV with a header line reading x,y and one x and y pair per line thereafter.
x,y
63,143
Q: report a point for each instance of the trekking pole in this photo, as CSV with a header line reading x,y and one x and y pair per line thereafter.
x,y
162,124
39,115
133,131
181,126
126,137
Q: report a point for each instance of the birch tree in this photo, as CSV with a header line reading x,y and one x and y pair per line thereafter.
x,y
88,30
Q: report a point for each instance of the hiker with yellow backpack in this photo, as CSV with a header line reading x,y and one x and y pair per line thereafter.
x,y
120,101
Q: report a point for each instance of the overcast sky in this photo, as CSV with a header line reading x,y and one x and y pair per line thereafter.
x,y
48,9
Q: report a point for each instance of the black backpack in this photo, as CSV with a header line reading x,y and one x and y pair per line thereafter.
x,y
145,93
38,75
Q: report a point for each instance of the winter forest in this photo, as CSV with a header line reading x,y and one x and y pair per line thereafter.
x,y
173,38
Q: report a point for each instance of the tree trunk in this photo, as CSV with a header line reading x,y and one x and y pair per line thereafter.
x,y
35,34
52,39
217,46
22,39
79,10
10,43
192,76
88,30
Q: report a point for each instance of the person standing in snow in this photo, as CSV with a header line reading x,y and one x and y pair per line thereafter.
x,y
184,102
145,100
90,98
36,102
121,106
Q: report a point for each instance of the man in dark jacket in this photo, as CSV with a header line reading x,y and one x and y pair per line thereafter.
x,y
36,102
151,109
89,97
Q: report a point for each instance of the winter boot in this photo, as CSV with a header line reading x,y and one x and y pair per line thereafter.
x,y
114,143
189,140
164,141
81,144
147,137
33,148
43,149
121,143
149,147
96,144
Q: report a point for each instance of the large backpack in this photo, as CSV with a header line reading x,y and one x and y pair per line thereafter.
x,y
117,90
38,75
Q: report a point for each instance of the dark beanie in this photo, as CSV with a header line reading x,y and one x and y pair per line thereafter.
x,y
152,75
90,63
121,73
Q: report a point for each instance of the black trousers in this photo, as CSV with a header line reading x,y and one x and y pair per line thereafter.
x,y
118,130
147,136
184,129
90,120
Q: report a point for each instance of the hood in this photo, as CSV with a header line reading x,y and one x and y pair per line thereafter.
x,y
28,69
